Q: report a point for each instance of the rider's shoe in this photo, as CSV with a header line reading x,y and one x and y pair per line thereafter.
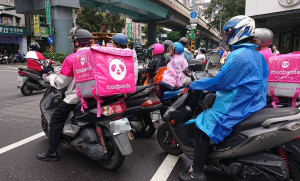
x,y
48,156
192,176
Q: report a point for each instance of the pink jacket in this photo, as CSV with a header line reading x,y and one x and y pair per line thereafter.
x,y
174,75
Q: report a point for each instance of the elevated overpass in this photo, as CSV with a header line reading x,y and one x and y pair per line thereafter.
x,y
167,13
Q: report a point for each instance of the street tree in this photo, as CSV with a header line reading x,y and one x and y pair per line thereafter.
x,y
223,10
97,21
173,36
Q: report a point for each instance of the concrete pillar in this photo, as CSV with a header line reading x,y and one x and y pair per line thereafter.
x,y
151,33
206,44
23,45
62,21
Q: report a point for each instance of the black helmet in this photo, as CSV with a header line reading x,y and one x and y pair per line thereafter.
x,y
167,44
184,41
84,37
34,46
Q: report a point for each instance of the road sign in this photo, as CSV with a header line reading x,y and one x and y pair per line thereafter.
x,y
138,43
193,14
50,39
47,9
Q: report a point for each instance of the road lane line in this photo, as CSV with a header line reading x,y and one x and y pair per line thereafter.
x,y
22,142
165,168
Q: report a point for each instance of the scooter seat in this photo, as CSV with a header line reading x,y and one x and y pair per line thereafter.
x,y
34,71
140,88
257,118
171,94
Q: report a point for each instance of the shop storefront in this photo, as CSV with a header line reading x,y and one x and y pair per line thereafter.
x,y
282,17
12,39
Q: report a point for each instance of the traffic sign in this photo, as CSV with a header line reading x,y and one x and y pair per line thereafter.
x,y
50,39
193,15
138,43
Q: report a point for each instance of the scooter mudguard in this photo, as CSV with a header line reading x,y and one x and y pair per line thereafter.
x,y
123,143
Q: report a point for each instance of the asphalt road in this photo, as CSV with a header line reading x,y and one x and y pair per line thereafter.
x,y
20,119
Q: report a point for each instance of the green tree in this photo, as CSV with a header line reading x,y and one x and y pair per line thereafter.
x,y
97,21
173,35
223,10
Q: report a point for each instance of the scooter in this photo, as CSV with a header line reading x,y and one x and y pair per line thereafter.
x,y
139,106
30,80
102,139
265,146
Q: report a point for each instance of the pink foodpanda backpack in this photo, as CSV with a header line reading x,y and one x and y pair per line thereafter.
x,y
102,72
284,77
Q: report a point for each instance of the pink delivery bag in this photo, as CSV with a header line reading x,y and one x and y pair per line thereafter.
x,y
284,77
103,71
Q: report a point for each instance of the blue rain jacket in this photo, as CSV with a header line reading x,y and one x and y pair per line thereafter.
x,y
241,88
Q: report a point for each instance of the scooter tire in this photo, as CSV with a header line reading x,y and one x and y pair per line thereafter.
x,y
294,168
26,90
148,129
164,138
114,159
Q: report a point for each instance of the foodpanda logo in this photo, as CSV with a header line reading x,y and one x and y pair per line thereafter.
x,y
285,64
82,61
117,69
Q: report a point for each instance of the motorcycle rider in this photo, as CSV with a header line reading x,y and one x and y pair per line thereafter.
x,y
265,39
34,58
120,41
185,42
173,77
240,87
81,40
158,60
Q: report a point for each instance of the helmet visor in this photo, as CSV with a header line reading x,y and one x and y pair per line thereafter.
x,y
228,34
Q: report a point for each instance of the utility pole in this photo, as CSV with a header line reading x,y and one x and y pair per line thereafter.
x,y
220,32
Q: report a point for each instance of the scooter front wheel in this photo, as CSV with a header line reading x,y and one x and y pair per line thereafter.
x,y
148,129
166,141
45,127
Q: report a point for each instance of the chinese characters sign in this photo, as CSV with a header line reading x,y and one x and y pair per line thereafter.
x,y
36,22
13,30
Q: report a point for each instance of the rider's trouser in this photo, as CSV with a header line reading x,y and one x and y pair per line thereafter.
x,y
200,150
57,123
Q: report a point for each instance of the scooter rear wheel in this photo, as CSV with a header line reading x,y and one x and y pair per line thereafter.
x,y
26,90
294,170
166,141
148,127
45,127
114,158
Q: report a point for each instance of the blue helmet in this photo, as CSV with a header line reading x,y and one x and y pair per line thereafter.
x,y
238,28
177,48
120,38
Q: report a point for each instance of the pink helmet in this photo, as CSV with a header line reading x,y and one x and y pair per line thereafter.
x,y
158,49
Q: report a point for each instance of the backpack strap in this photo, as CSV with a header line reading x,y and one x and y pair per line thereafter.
x,y
295,97
99,101
274,98
83,102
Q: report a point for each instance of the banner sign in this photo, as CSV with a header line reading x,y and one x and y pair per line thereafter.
x,y
36,22
13,30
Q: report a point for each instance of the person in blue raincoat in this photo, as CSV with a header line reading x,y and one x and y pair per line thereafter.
x,y
240,87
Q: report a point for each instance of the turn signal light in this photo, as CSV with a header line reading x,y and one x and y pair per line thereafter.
x,y
149,103
173,121
21,73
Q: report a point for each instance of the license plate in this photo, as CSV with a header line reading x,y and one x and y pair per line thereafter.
x,y
20,81
119,126
156,115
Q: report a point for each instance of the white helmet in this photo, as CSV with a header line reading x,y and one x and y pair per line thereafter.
x,y
238,28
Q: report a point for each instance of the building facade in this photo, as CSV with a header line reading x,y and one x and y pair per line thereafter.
x,y
280,16
134,31
13,33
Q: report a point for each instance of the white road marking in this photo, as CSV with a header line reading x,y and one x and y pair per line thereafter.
x,y
165,168
22,142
